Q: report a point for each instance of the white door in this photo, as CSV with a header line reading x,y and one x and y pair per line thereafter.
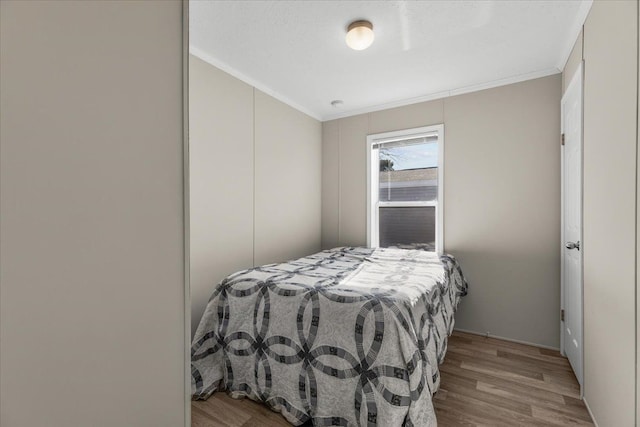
x,y
572,223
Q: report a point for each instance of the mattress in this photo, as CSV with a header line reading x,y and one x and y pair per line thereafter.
x,y
348,336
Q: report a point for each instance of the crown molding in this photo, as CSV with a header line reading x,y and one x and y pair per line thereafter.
x,y
393,104
573,32
199,53
445,94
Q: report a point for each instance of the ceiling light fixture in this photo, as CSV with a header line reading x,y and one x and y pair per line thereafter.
x,y
359,35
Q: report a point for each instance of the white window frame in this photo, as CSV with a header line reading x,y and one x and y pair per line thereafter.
x,y
373,203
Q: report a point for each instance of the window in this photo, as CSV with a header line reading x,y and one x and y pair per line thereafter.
x,y
405,188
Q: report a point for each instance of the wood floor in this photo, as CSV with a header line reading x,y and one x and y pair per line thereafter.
x,y
485,382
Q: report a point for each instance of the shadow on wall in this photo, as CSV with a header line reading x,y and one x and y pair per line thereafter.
x,y
512,274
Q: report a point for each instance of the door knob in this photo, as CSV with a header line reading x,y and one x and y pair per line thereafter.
x,y
573,245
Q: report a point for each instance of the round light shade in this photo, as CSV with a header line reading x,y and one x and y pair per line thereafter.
x,y
359,35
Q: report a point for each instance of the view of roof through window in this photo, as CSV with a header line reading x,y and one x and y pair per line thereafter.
x,y
409,172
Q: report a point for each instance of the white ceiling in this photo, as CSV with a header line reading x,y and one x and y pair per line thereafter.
x,y
295,50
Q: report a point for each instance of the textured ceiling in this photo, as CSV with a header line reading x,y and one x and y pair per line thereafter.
x,y
295,50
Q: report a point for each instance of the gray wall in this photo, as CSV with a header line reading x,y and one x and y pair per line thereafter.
x,y
254,177
501,201
91,214
609,227
288,147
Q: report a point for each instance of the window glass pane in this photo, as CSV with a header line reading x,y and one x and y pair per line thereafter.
x,y
406,227
409,173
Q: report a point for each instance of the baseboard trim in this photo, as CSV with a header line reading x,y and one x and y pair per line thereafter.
x,y
484,334
593,419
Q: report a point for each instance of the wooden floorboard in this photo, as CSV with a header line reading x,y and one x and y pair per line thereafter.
x,y
484,382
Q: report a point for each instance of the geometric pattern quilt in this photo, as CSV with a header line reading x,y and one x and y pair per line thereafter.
x,y
347,337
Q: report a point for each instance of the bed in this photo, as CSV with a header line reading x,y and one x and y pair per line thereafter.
x,y
348,336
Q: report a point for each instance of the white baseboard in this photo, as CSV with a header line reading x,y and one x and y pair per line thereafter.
x,y
590,413
484,334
